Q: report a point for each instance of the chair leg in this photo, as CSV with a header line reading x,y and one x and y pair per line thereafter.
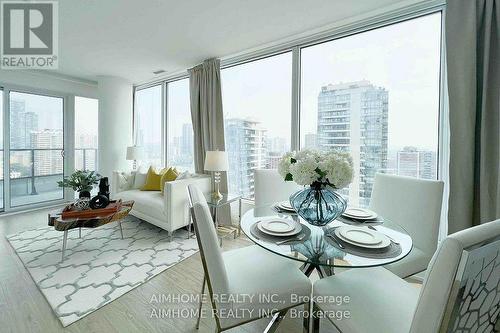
x,y
315,318
201,302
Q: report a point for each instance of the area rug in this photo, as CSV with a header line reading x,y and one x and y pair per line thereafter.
x,y
99,267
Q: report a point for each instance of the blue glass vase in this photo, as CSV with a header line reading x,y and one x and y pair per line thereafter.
x,y
318,204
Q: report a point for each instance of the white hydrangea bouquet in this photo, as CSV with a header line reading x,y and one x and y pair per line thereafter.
x,y
307,167
321,173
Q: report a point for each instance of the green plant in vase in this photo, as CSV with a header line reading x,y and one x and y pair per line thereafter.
x,y
81,181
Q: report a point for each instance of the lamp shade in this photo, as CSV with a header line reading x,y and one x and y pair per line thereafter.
x,y
134,153
216,161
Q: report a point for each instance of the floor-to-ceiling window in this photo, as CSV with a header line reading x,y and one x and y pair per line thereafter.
x,y
257,103
37,141
376,95
148,124
163,126
36,145
180,128
86,131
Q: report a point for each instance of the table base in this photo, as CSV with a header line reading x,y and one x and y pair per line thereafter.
x,y
323,271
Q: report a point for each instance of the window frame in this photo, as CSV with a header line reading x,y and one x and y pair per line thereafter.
x,y
292,120
74,98
164,112
163,118
167,115
68,100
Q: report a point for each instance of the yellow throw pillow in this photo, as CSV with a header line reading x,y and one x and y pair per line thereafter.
x,y
153,179
168,176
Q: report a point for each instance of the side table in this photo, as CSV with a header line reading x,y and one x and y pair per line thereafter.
x,y
214,203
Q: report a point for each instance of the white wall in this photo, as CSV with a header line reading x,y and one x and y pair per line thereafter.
x,y
115,124
51,82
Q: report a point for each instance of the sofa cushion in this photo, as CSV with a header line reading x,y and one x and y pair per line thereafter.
x,y
153,180
125,181
185,175
147,202
169,175
140,179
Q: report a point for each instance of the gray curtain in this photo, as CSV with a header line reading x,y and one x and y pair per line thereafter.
x,y
207,115
472,55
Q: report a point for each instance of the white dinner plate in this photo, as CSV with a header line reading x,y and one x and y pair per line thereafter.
x,y
360,213
285,205
362,237
278,225
297,228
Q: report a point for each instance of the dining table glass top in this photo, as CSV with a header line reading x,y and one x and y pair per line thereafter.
x,y
315,245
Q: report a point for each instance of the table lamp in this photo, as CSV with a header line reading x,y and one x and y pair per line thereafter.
x,y
134,153
216,161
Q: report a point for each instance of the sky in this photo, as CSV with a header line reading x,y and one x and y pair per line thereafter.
x,y
260,90
86,116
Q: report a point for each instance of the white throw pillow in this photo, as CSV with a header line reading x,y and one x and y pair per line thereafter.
x,y
184,175
126,180
140,178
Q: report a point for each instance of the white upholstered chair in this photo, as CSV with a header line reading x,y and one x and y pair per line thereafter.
x,y
270,187
246,271
414,204
460,293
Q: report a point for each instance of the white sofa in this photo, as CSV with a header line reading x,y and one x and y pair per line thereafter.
x,y
168,211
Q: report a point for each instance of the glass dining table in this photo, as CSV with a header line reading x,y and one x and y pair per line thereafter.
x,y
318,248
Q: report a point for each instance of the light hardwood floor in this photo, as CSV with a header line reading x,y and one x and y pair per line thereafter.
x,y
24,309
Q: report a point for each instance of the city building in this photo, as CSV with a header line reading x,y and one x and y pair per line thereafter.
x,y
187,140
47,153
353,117
86,151
311,141
180,149
273,159
246,148
22,124
417,163
277,145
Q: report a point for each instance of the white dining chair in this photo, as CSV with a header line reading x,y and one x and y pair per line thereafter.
x,y
271,188
460,292
415,204
250,271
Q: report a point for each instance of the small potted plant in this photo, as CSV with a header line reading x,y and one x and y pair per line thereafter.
x,y
81,181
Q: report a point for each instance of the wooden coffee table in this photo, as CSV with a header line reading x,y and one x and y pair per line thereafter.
x,y
64,225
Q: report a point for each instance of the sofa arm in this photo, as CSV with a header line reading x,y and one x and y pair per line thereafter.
x,y
176,202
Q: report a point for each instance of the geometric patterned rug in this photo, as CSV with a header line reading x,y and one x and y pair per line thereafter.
x,y
99,267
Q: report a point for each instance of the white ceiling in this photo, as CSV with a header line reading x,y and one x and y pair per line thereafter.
x,y
133,38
